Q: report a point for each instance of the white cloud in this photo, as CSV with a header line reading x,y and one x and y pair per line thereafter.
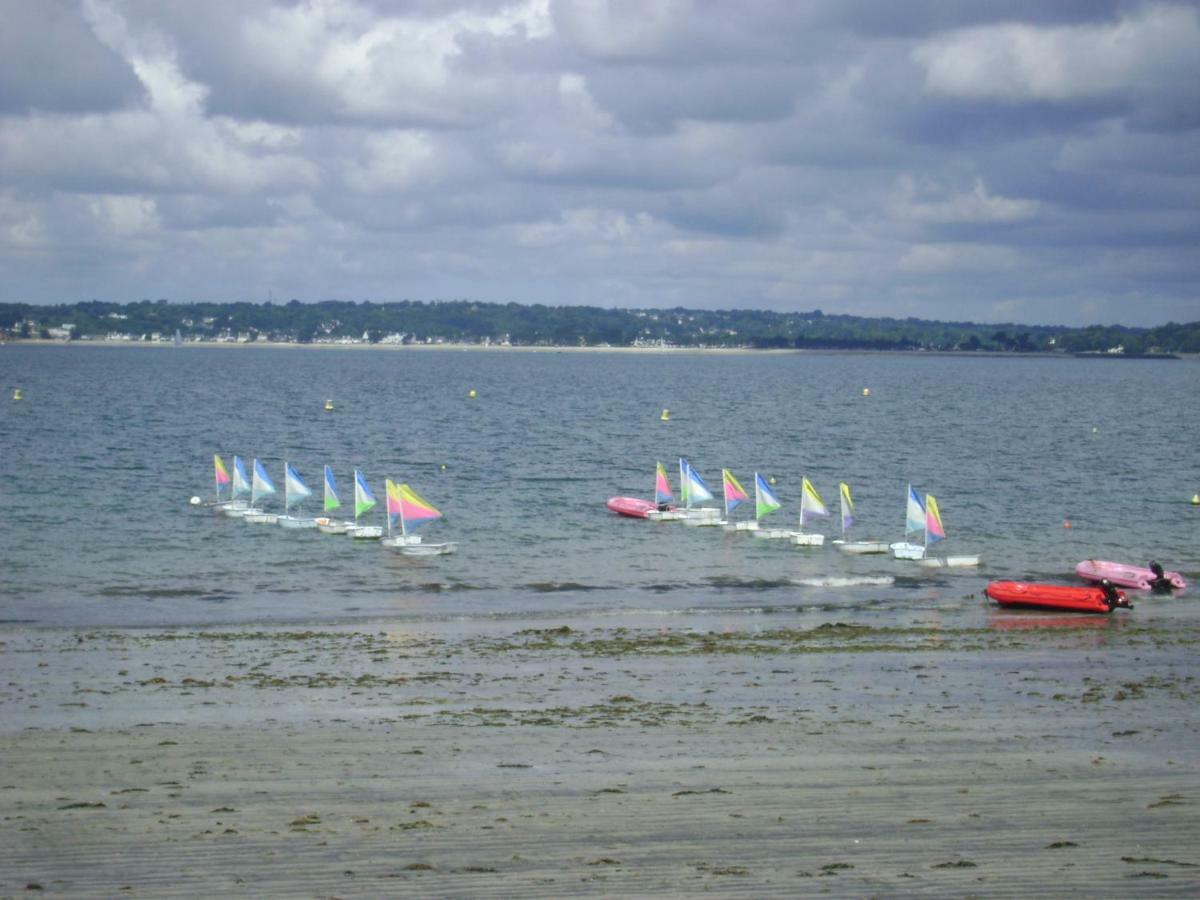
x,y
1017,63
932,203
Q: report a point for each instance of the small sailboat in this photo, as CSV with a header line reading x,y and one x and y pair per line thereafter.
x,y
855,547
326,524
693,490
914,522
735,496
411,511
935,531
364,502
260,486
811,507
294,491
664,501
237,506
765,503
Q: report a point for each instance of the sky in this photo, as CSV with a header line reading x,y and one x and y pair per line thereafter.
x,y
1032,162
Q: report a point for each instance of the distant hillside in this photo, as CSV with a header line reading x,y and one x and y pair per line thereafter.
x,y
334,321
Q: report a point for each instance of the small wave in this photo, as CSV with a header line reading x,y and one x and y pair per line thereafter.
x,y
751,584
554,587
162,593
846,581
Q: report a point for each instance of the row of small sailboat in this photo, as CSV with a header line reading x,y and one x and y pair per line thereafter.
x,y
922,515
406,509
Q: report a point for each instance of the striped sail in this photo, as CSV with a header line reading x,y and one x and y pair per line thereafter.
x,y
662,487
697,490
933,521
331,495
735,494
294,488
765,501
261,484
811,504
847,506
241,482
914,515
364,500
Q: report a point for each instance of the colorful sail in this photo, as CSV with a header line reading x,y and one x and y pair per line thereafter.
x,y
414,509
811,504
847,506
662,487
294,488
735,494
914,516
697,490
933,521
683,481
241,482
331,495
261,484
765,500
364,500
392,490
220,473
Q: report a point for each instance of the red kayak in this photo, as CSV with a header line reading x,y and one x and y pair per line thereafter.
x,y
1028,594
634,507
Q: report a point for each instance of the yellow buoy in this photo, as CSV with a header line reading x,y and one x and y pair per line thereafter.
x,y
1195,499
443,467
666,415
471,393
1095,430
866,392
772,479
17,394
328,406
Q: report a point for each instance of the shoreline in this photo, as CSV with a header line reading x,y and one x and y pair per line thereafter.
x,y
464,347
554,762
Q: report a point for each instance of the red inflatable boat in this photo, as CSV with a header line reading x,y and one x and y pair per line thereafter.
x,y
1030,595
634,507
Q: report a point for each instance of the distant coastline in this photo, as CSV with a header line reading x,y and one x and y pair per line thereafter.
x,y
461,346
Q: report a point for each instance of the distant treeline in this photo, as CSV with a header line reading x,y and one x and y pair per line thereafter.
x,y
537,325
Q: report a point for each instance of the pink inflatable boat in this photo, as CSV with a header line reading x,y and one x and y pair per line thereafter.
x,y
1136,577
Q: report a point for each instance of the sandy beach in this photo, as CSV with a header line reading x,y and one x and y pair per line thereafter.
x,y
1036,756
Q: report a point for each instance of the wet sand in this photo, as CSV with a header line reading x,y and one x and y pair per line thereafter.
x,y
1035,756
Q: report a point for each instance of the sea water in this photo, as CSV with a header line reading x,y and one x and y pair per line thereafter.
x,y
1036,463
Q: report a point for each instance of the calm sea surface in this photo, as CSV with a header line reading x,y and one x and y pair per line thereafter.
x,y
108,445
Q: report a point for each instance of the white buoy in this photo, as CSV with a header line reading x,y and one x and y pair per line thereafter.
x,y
195,501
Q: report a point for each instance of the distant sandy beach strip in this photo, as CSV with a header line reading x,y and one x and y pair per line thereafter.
x,y
373,761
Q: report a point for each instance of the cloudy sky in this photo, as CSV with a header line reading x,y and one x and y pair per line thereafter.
x,y
1033,162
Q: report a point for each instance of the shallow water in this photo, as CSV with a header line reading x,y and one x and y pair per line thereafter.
x,y
109,444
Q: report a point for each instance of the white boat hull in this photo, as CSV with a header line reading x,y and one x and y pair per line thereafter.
x,y
296,522
365,532
258,517
235,509
774,534
860,548
703,521
429,549
665,515
951,562
401,540
747,525
905,550
804,539
329,526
